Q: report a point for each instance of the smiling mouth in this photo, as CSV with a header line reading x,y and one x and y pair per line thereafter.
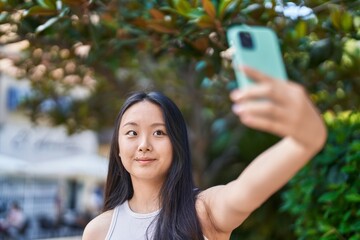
x,y
145,160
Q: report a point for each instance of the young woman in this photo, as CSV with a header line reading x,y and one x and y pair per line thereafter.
x,y
150,193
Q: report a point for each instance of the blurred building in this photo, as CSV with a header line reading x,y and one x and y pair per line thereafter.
x,y
57,178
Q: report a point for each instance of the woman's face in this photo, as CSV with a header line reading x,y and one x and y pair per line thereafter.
x,y
144,147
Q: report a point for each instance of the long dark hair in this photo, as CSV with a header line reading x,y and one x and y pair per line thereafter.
x,y
177,218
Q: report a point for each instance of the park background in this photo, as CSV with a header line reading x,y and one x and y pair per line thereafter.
x,y
81,58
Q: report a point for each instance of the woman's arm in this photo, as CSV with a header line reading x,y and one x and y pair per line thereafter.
x,y
281,108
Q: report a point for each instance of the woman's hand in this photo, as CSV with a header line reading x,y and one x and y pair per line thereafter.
x,y
282,108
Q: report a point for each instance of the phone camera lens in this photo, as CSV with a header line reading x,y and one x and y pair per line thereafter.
x,y
246,40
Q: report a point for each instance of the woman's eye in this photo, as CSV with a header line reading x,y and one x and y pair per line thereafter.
x,y
131,133
159,133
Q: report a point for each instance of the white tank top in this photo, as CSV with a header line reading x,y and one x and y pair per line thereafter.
x,y
126,224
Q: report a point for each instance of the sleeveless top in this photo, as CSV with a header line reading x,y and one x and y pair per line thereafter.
x,y
126,224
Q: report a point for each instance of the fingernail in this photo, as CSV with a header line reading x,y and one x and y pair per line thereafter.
x,y
235,94
237,108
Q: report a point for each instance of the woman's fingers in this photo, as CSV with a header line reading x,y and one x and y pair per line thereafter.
x,y
257,76
261,108
266,87
262,115
256,92
264,124
279,107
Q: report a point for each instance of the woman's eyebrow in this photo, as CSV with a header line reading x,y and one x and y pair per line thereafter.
x,y
130,123
158,124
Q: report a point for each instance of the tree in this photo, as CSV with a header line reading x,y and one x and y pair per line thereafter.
x,y
107,48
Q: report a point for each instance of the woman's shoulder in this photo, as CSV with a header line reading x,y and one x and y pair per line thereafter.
x,y
98,227
207,212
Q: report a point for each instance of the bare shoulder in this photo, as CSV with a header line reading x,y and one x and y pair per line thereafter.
x,y
212,191
210,195
98,227
204,205
205,199
217,216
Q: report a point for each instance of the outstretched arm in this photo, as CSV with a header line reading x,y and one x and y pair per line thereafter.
x,y
281,108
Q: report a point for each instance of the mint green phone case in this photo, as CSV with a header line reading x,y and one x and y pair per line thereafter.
x,y
265,55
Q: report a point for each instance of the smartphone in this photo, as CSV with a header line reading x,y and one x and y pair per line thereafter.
x,y
258,48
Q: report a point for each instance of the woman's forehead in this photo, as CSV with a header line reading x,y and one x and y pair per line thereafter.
x,y
143,111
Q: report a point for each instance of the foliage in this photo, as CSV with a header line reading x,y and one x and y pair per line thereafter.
x,y
324,197
320,48
106,48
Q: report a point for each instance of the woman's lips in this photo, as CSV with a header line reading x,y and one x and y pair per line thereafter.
x,y
144,160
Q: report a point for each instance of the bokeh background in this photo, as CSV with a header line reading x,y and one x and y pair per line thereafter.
x,y
67,66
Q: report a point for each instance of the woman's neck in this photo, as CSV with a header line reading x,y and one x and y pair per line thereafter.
x,y
146,197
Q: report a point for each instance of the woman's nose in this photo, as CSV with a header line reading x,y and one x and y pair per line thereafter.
x,y
145,145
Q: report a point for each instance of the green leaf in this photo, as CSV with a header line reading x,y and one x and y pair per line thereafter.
x,y
349,169
40,11
50,4
346,21
357,22
183,6
325,227
223,7
329,197
335,17
355,146
355,237
320,51
195,13
301,29
353,197
353,158
191,13
169,10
